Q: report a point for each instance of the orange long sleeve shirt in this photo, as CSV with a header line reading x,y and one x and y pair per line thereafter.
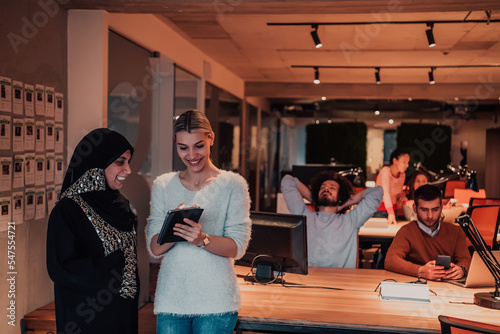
x,y
412,248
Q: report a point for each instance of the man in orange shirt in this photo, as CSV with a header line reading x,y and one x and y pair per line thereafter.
x,y
415,247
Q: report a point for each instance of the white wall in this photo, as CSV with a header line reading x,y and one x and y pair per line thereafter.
x,y
374,151
87,73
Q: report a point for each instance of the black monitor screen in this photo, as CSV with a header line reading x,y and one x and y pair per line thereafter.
x,y
279,241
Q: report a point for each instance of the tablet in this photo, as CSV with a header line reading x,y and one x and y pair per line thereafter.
x,y
173,217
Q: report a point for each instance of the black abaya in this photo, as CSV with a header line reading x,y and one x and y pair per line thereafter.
x,y
91,244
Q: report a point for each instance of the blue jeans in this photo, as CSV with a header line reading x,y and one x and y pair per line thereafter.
x,y
203,324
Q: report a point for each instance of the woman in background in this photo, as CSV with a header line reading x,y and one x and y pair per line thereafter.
x,y
417,179
197,290
91,240
392,179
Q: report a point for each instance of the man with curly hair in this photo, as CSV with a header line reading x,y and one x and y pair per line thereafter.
x,y
333,227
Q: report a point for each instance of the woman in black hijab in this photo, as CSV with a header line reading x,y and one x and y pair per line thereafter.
x,y
91,242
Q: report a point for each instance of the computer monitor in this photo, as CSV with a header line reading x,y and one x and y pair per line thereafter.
x,y
278,244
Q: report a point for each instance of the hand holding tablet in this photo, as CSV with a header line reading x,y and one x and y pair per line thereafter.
x,y
177,217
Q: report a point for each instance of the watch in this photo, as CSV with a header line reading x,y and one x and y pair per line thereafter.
x,y
206,241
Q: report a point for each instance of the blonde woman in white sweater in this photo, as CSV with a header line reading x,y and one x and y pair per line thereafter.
x,y
197,290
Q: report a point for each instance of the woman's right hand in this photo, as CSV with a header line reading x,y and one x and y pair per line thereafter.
x,y
391,219
190,231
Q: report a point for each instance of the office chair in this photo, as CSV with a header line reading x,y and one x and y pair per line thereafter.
x,y
463,196
450,325
483,201
450,186
486,218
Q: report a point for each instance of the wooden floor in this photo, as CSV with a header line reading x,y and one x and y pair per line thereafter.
x,y
147,320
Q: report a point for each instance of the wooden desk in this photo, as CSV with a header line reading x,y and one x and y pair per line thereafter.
x,y
356,309
380,234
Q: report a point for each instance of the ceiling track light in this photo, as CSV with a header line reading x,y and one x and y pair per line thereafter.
x,y
315,37
316,76
429,32
377,75
430,35
377,69
431,76
487,21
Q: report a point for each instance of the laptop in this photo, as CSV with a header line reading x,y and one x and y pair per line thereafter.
x,y
479,276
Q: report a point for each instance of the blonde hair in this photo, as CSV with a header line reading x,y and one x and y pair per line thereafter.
x,y
192,121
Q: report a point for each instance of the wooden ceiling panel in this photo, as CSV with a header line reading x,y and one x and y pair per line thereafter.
x,y
284,74
376,58
244,24
225,51
257,41
199,26
362,91
490,56
483,33
236,34
493,51
264,59
474,45
292,37
283,6
249,72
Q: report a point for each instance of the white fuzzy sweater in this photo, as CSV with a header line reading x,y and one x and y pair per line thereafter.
x,y
193,281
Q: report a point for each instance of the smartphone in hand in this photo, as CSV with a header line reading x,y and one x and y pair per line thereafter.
x,y
443,260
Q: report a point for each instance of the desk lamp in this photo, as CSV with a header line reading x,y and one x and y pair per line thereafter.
x,y
420,167
459,173
484,299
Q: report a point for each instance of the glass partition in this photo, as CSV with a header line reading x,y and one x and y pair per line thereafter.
x,y
269,161
129,98
252,159
223,110
130,104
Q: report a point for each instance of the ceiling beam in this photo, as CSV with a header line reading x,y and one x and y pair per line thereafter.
x,y
482,92
284,6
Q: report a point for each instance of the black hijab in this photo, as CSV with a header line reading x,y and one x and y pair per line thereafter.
x,y
85,176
